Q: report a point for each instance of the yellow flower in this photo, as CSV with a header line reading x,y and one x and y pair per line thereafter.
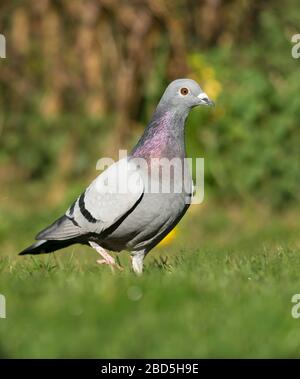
x,y
212,88
168,238
205,74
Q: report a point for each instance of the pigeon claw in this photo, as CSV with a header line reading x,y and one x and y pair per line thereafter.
x,y
107,259
112,265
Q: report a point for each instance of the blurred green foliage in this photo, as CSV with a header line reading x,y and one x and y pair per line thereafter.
x,y
82,78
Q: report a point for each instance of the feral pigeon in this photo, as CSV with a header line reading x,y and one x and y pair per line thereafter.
x,y
126,206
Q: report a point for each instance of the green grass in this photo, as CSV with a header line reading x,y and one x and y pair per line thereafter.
x,y
205,304
223,288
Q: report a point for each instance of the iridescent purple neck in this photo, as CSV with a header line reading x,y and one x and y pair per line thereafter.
x,y
163,137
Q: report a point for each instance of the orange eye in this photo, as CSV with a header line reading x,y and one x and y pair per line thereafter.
x,y
184,91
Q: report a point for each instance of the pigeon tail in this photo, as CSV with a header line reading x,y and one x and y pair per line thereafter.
x,y
44,247
62,229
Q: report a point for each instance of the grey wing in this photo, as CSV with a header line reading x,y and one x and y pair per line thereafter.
x,y
109,197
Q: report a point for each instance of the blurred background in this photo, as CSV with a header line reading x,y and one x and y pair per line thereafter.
x,y
80,80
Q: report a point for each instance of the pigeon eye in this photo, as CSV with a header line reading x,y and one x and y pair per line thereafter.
x,y
184,91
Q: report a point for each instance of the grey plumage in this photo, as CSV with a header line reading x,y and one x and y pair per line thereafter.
x,y
133,218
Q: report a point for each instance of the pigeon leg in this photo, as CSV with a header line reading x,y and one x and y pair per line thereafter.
x,y
137,258
107,259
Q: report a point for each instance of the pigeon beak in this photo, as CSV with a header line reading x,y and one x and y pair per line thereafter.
x,y
204,99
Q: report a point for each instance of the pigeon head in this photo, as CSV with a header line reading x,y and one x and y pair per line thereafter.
x,y
184,94
164,135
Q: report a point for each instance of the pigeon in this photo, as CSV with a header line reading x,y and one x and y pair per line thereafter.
x,y
126,206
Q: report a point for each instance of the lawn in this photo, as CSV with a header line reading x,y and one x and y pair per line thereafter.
x,y
221,288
